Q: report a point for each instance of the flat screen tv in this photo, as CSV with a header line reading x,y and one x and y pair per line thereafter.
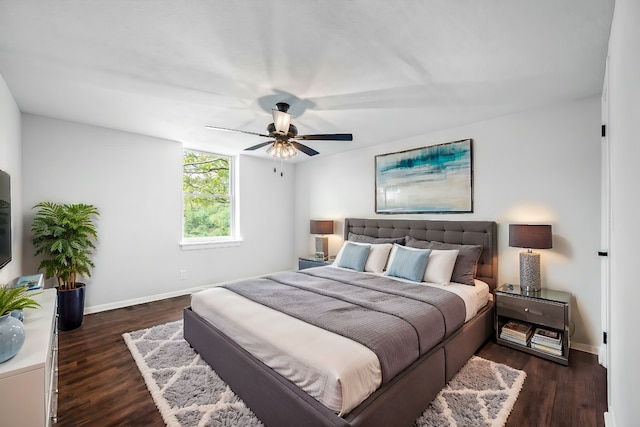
x,y
5,218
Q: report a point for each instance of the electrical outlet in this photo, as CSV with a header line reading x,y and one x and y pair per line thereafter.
x,y
183,274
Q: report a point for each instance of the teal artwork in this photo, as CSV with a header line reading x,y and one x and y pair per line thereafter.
x,y
434,179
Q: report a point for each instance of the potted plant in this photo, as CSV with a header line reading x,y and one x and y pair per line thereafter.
x,y
11,329
64,235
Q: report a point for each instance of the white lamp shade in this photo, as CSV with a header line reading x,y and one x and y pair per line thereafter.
x,y
281,121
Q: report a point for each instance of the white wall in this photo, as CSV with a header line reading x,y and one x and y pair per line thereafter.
x,y
136,183
11,162
539,166
624,129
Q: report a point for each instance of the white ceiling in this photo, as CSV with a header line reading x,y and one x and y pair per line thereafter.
x,y
382,70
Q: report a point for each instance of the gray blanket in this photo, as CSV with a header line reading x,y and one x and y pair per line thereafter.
x,y
398,321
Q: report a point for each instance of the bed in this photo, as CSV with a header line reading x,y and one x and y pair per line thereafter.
x,y
398,400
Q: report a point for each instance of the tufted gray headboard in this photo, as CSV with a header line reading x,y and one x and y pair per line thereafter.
x,y
483,233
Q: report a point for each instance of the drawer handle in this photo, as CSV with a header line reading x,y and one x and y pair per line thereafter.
x,y
526,309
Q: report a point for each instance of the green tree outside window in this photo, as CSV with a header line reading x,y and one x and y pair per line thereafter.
x,y
207,192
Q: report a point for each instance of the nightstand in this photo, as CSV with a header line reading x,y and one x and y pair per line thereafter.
x,y
548,309
308,262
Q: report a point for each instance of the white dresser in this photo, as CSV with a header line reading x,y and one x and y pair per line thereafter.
x,y
29,381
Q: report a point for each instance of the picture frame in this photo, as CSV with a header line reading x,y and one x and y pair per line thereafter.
x,y
432,179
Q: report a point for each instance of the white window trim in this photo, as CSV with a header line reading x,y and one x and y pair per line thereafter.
x,y
201,243
195,245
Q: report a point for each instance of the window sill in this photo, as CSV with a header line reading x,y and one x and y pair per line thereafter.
x,y
196,246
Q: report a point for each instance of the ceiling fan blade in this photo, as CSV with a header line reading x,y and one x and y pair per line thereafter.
x,y
237,130
306,150
327,137
255,147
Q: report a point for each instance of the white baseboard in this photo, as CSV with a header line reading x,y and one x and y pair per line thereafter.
x,y
141,300
585,347
602,355
609,419
157,297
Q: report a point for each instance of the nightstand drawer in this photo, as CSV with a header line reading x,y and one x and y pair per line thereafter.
x,y
546,313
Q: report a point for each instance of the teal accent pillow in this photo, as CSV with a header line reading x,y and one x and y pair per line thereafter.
x,y
409,263
354,256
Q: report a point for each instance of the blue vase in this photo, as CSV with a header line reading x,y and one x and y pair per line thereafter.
x,y
11,337
18,314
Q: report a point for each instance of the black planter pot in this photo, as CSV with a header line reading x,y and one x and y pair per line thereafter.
x,y
70,307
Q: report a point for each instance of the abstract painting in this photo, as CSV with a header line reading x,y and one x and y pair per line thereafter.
x,y
434,179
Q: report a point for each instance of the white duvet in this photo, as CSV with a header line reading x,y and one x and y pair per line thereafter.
x,y
338,372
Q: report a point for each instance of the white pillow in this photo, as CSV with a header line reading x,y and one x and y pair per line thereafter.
x,y
440,266
377,259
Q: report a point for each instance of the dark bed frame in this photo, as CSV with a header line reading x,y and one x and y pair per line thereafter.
x,y
278,402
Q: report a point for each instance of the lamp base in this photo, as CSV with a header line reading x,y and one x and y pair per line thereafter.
x,y
322,246
530,272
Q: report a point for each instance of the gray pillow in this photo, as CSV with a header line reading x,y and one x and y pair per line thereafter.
x,y
466,264
361,238
354,256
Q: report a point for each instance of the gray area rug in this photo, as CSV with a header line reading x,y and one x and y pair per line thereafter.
x,y
189,393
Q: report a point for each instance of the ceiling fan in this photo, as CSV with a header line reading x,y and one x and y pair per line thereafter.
x,y
284,135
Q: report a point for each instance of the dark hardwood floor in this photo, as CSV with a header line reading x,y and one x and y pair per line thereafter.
x,y
98,381
555,395
100,385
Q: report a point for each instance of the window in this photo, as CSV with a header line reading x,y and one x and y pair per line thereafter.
x,y
208,198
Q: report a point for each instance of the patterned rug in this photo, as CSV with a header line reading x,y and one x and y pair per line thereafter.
x,y
189,393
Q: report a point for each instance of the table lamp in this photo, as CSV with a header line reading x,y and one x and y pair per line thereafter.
x,y
322,242
530,237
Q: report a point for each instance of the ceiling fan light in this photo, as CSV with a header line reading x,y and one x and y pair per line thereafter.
x,y
272,150
281,121
290,150
282,150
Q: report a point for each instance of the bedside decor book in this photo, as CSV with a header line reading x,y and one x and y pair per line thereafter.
x,y
551,350
35,281
547,337
516,332
547,340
